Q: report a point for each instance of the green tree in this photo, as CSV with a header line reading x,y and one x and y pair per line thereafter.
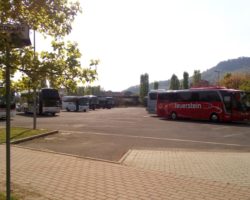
x,y
49,17
236,81
196,78
52,18
63,67
174,83
245,85
144,86
156,85
80,91
185,83
92,90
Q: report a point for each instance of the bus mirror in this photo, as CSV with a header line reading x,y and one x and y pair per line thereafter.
x,y
227,99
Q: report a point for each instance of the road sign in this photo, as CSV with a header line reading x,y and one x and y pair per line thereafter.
x,y
18,34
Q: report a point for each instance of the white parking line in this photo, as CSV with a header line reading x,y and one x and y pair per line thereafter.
x,y
157,138
232,135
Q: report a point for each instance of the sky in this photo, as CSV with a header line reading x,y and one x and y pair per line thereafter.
x,y
158,37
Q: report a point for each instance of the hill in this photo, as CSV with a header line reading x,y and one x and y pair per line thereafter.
x,y
241,64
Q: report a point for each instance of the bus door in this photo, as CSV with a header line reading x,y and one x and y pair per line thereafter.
x,y
227,104
240,109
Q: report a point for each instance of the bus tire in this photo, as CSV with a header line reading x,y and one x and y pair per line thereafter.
x,y
173,116
214,117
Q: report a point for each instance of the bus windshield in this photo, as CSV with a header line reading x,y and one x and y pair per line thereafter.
x,y
244,100
83,101
236,100
50,94
3,98
152,95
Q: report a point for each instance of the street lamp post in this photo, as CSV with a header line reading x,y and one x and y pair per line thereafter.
x,y
7,79
34,92
17,36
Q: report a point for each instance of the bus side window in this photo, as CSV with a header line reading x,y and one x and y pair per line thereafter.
x,y
184,96
172,97
209,96
178,97
153,96
228,103
195,96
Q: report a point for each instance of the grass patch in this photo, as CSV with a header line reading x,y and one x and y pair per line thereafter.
x,y
19,133
3,197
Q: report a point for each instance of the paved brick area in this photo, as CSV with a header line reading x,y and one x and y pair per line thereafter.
x,y
228,167
62,177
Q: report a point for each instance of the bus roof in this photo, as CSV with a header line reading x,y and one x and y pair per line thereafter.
x,y
203,89
156,91
73,97
209,87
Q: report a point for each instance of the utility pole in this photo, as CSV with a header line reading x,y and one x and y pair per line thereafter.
x,y
34,88
7,86
17,36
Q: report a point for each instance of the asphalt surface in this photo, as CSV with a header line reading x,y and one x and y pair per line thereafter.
x,y
109,134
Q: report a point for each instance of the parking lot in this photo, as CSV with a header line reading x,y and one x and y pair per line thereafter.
x,y
148,157
109,134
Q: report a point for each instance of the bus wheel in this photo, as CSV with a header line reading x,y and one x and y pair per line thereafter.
x,y
214,117
173,116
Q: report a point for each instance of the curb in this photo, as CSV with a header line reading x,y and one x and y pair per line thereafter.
x,y
124,156
34,137
66,154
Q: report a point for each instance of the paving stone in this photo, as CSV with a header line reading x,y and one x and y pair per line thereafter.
x,y
224,167
59,177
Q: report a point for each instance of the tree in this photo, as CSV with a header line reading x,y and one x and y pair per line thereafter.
x,y
196,78
236,81
185,83
144,86
92,90
49,17
174,83
245,85
63,67
156,85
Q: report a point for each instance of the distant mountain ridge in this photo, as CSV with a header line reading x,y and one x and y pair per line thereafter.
x,y
241,65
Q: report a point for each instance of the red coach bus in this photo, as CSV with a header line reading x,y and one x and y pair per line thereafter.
x,y
211,103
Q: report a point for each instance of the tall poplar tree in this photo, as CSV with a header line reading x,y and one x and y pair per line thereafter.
x,y
156,85
196,78
174,83
185,84
144,86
